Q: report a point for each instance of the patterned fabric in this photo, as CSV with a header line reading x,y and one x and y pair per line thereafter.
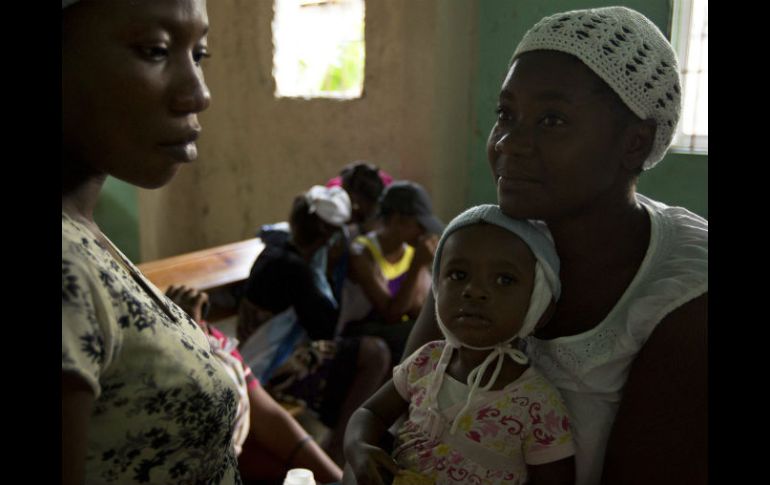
x,y
525,423
164,406
226,350
318,374
591,368
231,344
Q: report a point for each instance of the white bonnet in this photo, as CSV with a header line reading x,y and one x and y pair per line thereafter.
x,y
546,289
629,53
539,243
547,286
332,204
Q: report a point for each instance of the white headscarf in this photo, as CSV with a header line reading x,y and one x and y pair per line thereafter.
x,y
332,204
546,289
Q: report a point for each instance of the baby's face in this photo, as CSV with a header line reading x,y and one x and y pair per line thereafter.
x,y
485,283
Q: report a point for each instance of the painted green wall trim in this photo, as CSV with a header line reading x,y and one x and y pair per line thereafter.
x,y
679,179
116,213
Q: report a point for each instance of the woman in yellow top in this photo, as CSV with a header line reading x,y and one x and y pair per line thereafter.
x,y
389,276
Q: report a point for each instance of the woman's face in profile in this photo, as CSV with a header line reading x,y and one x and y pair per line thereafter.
x,y
132,86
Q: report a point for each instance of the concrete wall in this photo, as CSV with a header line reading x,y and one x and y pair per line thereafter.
x,y
433,73
257,152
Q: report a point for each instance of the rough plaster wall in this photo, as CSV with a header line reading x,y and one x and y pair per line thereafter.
x,y
257,152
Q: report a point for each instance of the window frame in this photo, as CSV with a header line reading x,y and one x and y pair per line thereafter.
x,y
680,39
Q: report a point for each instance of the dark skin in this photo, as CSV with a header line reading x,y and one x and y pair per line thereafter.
x,y
396,231
483,298
574,162
132,86
273,432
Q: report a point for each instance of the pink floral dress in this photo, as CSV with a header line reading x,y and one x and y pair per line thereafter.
x,y
503,431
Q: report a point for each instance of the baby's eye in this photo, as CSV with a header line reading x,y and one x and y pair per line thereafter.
x,y
457,275
505,280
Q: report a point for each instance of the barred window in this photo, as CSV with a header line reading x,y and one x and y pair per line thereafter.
x,y
690,39
319,48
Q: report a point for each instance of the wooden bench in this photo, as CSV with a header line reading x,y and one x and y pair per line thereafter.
x,y
215,271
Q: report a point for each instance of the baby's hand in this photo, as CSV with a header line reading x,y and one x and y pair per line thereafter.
x,y
192,301
425,249
372,465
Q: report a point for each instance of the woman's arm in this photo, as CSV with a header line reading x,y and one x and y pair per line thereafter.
x,y
365,272
77,399
425,328
660,434
365,430
274,429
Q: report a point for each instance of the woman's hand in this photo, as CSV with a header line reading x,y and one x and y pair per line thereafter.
x,y
371,465
192,301
425,249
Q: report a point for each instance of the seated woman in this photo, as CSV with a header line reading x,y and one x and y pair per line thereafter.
x,y
389,276
364,184
267,440
288,319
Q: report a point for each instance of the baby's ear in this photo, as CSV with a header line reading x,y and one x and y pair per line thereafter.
x,y
546,317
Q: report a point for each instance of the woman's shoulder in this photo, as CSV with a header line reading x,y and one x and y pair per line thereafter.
x,y
677,223
80,250
365,243
676,268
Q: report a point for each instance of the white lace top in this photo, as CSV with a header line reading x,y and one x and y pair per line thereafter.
x,y
590,369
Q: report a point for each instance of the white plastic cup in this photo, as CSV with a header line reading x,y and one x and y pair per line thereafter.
x,y
299,476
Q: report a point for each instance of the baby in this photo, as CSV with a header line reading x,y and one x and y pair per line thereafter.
x,y
470,421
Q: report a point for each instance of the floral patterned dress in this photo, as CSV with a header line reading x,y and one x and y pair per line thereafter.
x,y
503,431
164,406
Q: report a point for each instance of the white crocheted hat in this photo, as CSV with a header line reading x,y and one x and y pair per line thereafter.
x,y
332,204
629,53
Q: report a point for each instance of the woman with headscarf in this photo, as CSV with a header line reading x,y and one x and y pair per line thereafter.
x,y
592,99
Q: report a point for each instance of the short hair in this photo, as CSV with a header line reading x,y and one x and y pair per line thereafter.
x,y
363,179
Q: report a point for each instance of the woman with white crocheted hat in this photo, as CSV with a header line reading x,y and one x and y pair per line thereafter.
x,y
592,99
477,413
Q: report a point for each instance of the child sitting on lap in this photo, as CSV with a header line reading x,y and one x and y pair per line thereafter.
x,y
477,413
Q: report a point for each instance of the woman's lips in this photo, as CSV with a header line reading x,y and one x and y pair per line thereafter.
x,y
181,146
183,152
512,183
